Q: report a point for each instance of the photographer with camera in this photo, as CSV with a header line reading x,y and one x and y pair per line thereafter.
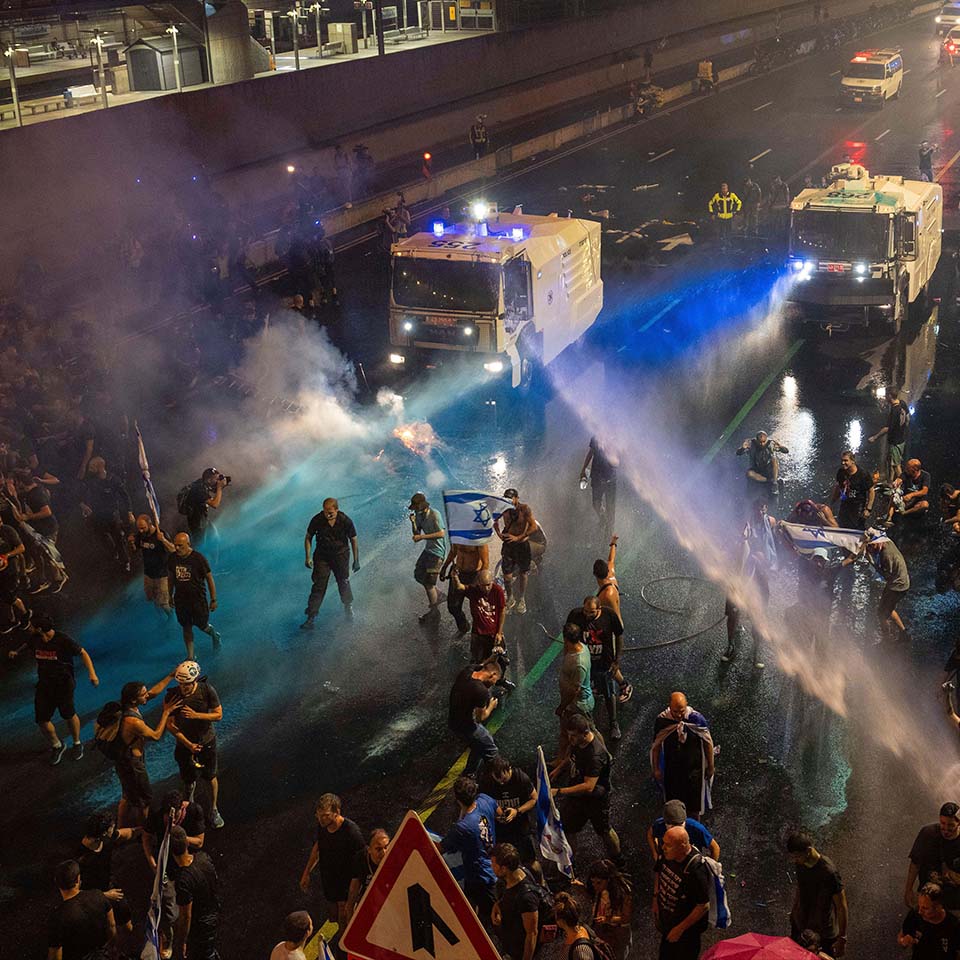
x,y
196,499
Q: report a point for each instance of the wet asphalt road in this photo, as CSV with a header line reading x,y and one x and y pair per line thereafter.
x,y
359,708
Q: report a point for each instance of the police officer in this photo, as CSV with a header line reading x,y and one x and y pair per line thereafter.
x,y
478,138
723,205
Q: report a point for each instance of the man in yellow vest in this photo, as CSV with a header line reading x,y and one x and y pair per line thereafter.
x,y
723,205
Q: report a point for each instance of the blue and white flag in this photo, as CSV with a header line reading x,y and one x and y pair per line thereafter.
x,y
470,515
324,952
151,494
151,949
553,841
813,539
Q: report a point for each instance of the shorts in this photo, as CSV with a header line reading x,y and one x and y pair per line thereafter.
x,y
197,615
602,682
515,558
52,696
134,781
577,812
187,762
157,590
888,601
895,453
428,569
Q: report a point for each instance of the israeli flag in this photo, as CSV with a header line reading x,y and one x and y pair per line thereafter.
x,y
151,948
553,841
809,540
148,490
470,515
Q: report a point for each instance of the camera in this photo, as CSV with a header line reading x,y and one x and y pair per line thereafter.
x,y
222,478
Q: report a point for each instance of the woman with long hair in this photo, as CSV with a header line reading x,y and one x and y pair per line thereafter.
x,y
612,906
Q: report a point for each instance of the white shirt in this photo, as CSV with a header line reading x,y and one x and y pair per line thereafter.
x,y
280,952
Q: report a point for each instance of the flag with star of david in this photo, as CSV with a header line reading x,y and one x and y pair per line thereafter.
x,y
470,515
809,539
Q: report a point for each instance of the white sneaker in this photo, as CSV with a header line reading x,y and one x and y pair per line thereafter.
x,y
522,606
511,604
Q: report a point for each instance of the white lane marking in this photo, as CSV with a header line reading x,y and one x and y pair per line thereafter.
x,y
905,72
882,135
941,93
760,155
659,314
836,73
838,109
763,106
660,156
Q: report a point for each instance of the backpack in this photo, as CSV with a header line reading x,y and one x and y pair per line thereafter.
x,y
106,732
546,919
718,915
183,499
601,949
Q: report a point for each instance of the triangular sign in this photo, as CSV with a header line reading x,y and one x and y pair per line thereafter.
x,y
414,909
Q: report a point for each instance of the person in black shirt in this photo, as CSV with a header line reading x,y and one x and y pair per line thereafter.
x,y
365,863
198,900
36,507
896,429
933,933
470,706
602,632
334,851
516,914
820,903
335,535
681,897
516,796
935,856
602,462
106,504
154,547
11,553
203,495
585,798
54,653
916,489
82,926
190,578
101,837
855,491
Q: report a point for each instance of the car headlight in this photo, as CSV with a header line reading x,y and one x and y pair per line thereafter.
x,y
397,358
493,366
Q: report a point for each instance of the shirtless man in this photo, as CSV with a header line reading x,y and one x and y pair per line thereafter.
x,y
466,562
518,527
608,593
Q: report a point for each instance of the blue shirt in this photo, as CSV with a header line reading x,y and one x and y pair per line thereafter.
x,y
473,837
699,835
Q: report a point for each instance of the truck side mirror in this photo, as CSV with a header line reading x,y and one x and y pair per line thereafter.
x,y
908,236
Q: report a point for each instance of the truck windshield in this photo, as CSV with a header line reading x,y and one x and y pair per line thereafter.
x,y
446,285
829,234
864,71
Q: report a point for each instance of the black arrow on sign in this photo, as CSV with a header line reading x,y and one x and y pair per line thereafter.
x,y
423,918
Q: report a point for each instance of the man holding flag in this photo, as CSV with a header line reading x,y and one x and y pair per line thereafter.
x,y
553,841
154,547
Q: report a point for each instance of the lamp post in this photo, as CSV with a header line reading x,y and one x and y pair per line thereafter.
x,y
294,16
97,41
318,10
173,31
8,53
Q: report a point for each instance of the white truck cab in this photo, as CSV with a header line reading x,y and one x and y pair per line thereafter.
x,y
510,290
872,76
949,16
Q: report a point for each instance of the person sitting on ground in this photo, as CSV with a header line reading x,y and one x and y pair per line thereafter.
x,y
915,487
764,466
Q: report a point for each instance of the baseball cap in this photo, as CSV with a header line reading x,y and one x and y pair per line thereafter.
x,y
674,813
418,500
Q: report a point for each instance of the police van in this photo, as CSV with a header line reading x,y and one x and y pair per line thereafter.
x,y
872,76
949,16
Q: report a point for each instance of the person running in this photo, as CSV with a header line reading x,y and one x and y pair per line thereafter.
x,y
190,579
723,206
465,563
54,653
602,633
197,709
518,526
335,536
608,593
427,528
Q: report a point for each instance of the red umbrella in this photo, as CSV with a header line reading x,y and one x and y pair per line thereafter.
x,y
757,946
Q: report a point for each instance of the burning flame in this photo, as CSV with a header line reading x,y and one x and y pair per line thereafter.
x,y
418,437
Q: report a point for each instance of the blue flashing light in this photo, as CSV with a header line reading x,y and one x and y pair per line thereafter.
x,y
137,180
517,233
438,228
194,178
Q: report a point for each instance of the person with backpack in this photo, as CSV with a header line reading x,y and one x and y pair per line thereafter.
x,y
197,499
612,906
54,653
582,943
516,914
681,897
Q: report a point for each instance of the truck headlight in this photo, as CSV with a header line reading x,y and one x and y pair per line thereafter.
x,y
397,359
860,269
937,19
796,265
493,366
408,326
468,331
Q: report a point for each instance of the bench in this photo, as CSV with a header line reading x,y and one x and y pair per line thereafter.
x,y
44,105
399,36
82,96
40,52
7,113
335,48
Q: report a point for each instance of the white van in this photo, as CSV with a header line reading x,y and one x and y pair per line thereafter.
x,y
949,16
872,76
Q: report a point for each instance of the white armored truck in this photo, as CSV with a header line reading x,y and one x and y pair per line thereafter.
x,y
508,289
863,247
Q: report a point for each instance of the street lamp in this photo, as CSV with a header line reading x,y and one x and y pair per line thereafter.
x,y
294,16
98,41
318,11
173,31
8,53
